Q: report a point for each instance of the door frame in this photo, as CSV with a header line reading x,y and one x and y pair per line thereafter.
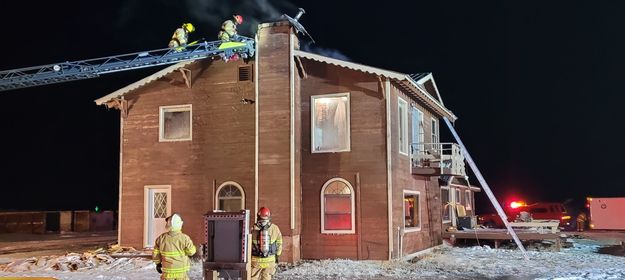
x,y
146,192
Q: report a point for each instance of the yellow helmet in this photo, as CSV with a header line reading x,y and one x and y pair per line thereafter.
x,y
188,27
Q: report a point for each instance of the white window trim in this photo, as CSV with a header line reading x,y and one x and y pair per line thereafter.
x,y
403,131
146,192
174,108
450,200
216,206
457,196
411,229
323,217
312,122
433,133
468,194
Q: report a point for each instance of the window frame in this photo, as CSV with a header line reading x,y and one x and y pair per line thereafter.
x,y
435,131
449,210
313,127
402,132
418,194
161,121
468,200
353,208
228,183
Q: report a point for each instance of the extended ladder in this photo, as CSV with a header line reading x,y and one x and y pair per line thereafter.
x,y
85,69
487,189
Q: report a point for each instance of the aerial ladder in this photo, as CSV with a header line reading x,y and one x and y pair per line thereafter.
x,y
86,69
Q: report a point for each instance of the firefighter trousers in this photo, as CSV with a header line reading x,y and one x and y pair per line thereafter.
x,y
263,273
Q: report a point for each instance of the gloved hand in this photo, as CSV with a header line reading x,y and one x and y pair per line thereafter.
x,y
277,259
158,268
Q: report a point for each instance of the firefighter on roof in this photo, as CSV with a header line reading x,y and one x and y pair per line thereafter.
x,y
229,29
181,36
266,246
172,250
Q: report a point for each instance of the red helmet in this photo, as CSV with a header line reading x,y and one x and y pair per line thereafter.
x,y
238,19
264,213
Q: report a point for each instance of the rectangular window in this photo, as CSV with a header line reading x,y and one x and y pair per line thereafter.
x,y
417,131
446,204
468,201
435,131
175,123
458,199
403,126
330,123
412,210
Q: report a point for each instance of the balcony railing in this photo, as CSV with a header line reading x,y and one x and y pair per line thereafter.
x,y
435,159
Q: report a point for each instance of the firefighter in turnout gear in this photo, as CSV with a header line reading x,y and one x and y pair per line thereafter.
x,y
229,29
172,250
266,246
181,36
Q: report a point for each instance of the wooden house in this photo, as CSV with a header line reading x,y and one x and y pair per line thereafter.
x,y
346,156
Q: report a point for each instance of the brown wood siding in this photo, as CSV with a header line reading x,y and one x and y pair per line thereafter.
x,y
222,148
429,234
366,158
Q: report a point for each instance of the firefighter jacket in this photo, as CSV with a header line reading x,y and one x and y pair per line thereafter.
x,y
228,31
275,246
581,218
172,250
179,38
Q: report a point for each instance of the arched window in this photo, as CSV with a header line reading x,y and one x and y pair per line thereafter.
x,y
337,207
230,197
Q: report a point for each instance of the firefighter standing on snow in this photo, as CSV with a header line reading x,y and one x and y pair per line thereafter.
x,y
229,29
172,250
181,36
266,246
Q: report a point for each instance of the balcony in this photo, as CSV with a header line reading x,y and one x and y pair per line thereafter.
x,y
436,159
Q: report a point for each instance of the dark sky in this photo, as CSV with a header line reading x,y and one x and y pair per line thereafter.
x,y
537,85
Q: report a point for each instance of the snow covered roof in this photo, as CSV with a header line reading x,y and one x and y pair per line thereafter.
x,y
405,81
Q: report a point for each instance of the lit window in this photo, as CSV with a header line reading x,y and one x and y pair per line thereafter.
x,y
175,123
230,197
403,126
446,204
412,210
330,123
337,207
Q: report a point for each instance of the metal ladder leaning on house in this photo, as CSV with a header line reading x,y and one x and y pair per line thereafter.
x,y
92,68
489,193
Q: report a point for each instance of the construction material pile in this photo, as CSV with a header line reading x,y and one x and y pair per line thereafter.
x,y
115,257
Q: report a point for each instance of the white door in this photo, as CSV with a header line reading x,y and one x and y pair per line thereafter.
x,y
157,208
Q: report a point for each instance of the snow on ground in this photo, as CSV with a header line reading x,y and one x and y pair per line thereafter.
x,y
578,262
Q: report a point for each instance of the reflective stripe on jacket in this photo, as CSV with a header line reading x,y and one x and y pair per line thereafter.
x,y
172,250
275,237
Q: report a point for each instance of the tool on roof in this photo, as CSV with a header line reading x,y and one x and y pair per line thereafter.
x,y
298,26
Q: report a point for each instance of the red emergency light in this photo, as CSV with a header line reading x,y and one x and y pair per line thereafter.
x,y
517,204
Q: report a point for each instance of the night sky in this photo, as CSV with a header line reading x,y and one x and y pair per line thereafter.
x,y
538,86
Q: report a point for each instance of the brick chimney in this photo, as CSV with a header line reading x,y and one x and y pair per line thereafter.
x,y
279,132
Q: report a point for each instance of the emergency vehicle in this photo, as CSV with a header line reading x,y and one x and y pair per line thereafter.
x,y
606,212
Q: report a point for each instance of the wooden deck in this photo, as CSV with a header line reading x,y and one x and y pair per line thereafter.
x,y
498,235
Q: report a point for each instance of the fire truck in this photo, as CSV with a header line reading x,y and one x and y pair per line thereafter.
x,y
606,212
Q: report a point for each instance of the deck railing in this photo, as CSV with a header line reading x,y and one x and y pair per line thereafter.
x,y
446,157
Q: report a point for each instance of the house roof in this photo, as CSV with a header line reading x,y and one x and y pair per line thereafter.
x,y
412,85
405,81
120,92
